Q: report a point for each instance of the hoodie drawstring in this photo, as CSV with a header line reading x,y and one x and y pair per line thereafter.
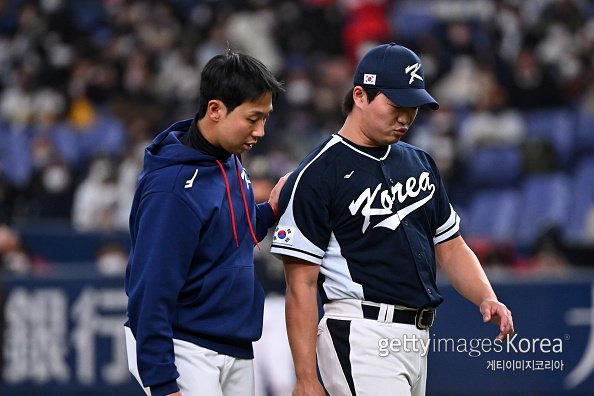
x,y
245,206
231,211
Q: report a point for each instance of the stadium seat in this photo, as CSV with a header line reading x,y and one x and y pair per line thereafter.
x,y
412,19
556,126
104,136
494,166
582,201
492,215
584,139
16,165
544,203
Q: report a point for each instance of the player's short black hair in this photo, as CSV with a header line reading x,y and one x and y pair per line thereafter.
x,y
235,78
348,103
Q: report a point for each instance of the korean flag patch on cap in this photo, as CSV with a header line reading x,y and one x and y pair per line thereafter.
x,y
369,79
283,235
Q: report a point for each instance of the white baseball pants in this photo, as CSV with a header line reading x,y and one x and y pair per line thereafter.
x,y
353,359
203,372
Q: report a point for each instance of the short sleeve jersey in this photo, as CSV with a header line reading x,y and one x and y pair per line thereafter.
x,y
370,222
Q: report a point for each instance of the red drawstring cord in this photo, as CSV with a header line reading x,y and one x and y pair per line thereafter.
x,y
230,203
247,212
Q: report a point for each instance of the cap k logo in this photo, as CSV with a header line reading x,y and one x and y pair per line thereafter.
x,y
412,69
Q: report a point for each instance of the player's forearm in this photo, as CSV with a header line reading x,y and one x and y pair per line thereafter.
x,y
302,320
464,271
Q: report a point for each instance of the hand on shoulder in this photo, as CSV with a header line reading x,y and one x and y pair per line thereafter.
x,y
275,193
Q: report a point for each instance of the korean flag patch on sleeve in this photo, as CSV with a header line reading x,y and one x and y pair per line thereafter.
x,y
283,235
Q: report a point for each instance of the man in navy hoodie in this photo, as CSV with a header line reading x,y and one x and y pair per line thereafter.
x,y
194,304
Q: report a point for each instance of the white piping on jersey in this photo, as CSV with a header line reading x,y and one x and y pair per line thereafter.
x,y
307,249
362,152
338,283
287,251
335,139
449,222
450,232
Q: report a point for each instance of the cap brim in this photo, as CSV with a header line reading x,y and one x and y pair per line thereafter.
x,y
410,97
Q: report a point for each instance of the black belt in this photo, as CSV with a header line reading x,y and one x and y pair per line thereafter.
x,y
422,318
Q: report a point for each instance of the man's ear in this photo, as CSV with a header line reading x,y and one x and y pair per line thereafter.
x,y
215,110
359,96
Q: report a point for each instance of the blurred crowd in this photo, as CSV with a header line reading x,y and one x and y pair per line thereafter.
x,y
86,84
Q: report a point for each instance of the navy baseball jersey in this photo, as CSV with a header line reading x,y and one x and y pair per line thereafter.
x,y
370,217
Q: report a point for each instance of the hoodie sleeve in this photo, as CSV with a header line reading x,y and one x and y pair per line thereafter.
x,y
167,233
265,218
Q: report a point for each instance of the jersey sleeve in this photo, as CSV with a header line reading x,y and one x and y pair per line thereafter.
x,y
304,227
448,221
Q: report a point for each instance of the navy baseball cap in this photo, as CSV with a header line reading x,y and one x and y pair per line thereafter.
x,y
397,72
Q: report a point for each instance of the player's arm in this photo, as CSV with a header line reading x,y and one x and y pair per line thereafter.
x,y
302,322
465,273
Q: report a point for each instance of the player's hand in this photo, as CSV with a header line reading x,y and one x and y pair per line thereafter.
x,y
275,193
496,312
175,394
308,388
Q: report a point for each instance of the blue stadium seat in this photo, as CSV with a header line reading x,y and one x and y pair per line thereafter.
x,y
106,135
493,215
556,126
584,139
412,19
494,166
66,143
16,166
582,201
544,203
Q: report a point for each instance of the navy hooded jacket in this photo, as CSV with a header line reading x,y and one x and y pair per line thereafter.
x,y
190,274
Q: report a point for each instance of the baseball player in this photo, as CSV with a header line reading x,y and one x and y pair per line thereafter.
x,y
194,304
365,218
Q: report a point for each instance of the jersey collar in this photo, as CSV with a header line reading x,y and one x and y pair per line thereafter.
x,y
352,146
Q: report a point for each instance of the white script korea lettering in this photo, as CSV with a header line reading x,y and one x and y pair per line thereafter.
x,y
410,189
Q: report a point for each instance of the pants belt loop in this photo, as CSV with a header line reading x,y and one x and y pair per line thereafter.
x,y
389,313
381,317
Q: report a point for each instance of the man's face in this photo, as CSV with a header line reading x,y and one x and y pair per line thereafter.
x,y
240,129
383,122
